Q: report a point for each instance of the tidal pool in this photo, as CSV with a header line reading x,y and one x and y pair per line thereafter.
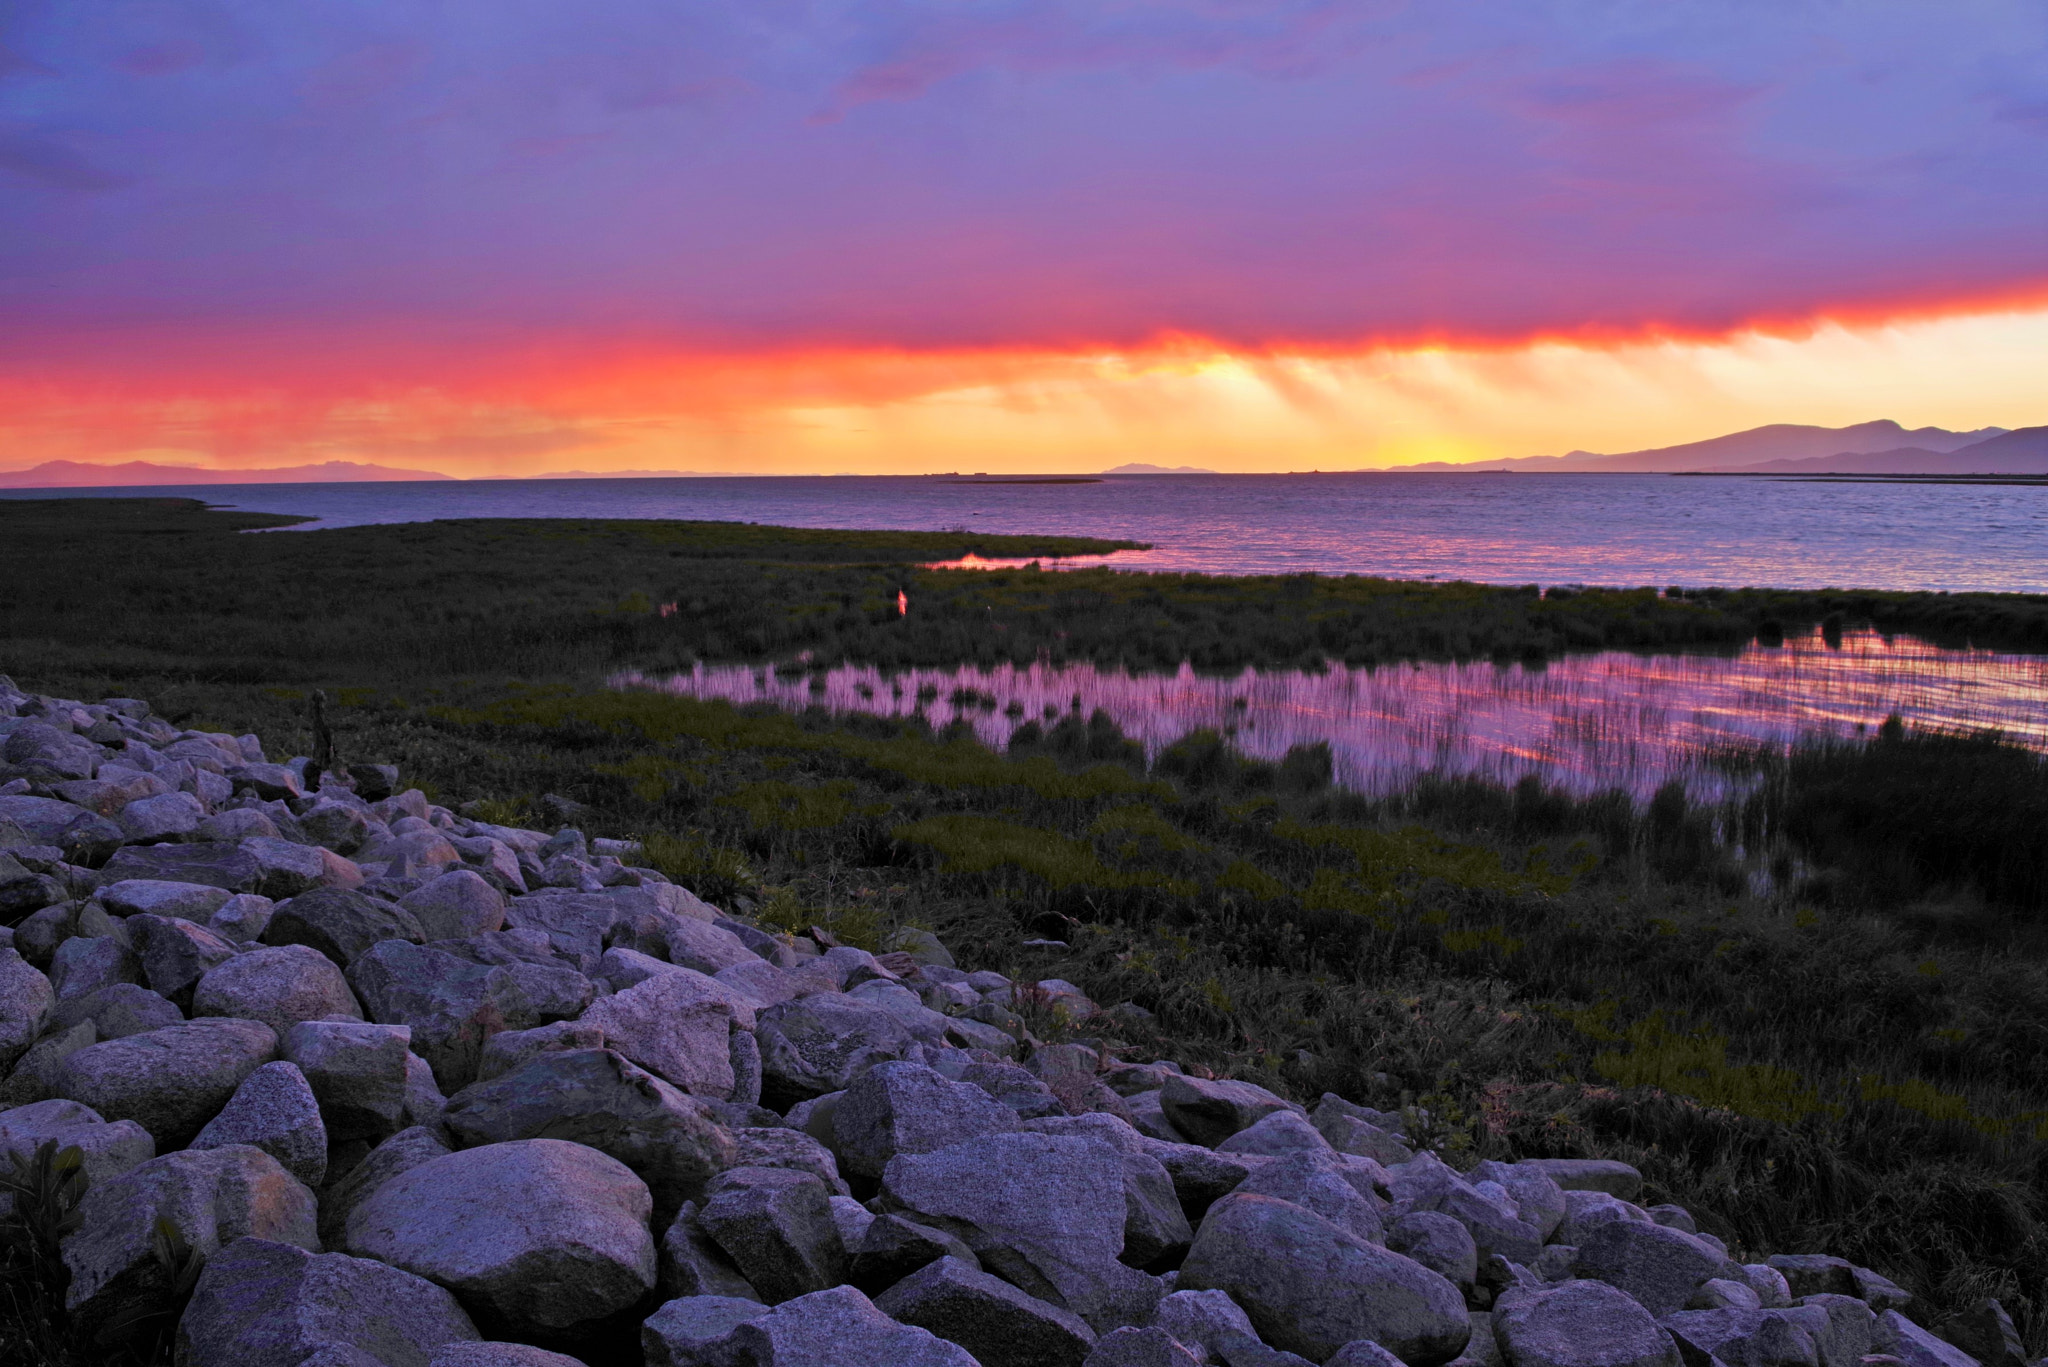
x,y
1582,722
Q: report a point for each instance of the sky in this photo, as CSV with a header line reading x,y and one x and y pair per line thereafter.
x,y
515,236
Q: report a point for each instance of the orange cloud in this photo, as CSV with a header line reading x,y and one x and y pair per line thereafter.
x,y
494,409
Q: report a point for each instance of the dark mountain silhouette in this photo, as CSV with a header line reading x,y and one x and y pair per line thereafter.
x,y
2023,451
1779,441
71,474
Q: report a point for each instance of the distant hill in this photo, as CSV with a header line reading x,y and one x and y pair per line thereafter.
x,y
1143,469
2020,452
629,474
71,474
1778,442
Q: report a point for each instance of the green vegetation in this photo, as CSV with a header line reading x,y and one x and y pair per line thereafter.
x,y
1837,1041
172,589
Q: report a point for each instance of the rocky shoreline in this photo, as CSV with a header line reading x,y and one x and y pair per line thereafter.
x,y
351,1079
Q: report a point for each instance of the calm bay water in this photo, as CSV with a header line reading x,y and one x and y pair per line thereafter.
x,y
1547,529
1587,722
1584,722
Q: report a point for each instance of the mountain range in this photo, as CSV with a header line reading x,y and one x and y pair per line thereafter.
x,y
71,474
1881,447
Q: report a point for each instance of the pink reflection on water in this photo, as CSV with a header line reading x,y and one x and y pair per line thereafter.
x,y
1119,560
1585,722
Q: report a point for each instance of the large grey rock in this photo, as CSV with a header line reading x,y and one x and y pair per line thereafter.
x,y
35,1073
891,1248
1156,1229
692,1264
341,923
595,1097
1586,1211
214,863
1982,1329
175,954
998,1324
1277,1135
1539,1201
1914,1346
242,918
338,826
1746,1338
279,985
1211,1111
777,1227
813,1045
705,947
1721,1293
1439,1243
158,897
274,1110
539,1234
86,963
1493,1224
1660,1267
402,1152
508,1049
26,997
1044,1212
289,869
763,983
1200,1176
211,1197
900,1107
1349,1134
52,751
116,1011
1133,1347
835,1328
171,1081
266,1304
455,906
1016,1088
672,1030
1210,1323
357,1071
499,1355
82,836
1202,1319
764,1147
577,924
448,1002
108,1150
168,816
1579,1324
1815,1274
1311,1287
676,1334
1616,1178
24,891
1317,1182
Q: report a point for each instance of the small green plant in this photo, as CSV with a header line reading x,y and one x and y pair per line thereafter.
x,y
45,1189
178,1266
719,874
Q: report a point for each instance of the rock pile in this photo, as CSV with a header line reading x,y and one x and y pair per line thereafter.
x,y
425,1091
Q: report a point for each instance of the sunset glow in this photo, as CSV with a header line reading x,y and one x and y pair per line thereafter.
x,y
1025,235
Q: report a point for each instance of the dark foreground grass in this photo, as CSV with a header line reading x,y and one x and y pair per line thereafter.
x,y
1838,1043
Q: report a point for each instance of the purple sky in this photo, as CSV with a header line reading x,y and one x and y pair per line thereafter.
x,y
470,178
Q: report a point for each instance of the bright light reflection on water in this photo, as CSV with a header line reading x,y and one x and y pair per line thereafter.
x,y
1583,722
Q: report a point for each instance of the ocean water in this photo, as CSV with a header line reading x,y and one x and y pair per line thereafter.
x,y
1583,722
1521,528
